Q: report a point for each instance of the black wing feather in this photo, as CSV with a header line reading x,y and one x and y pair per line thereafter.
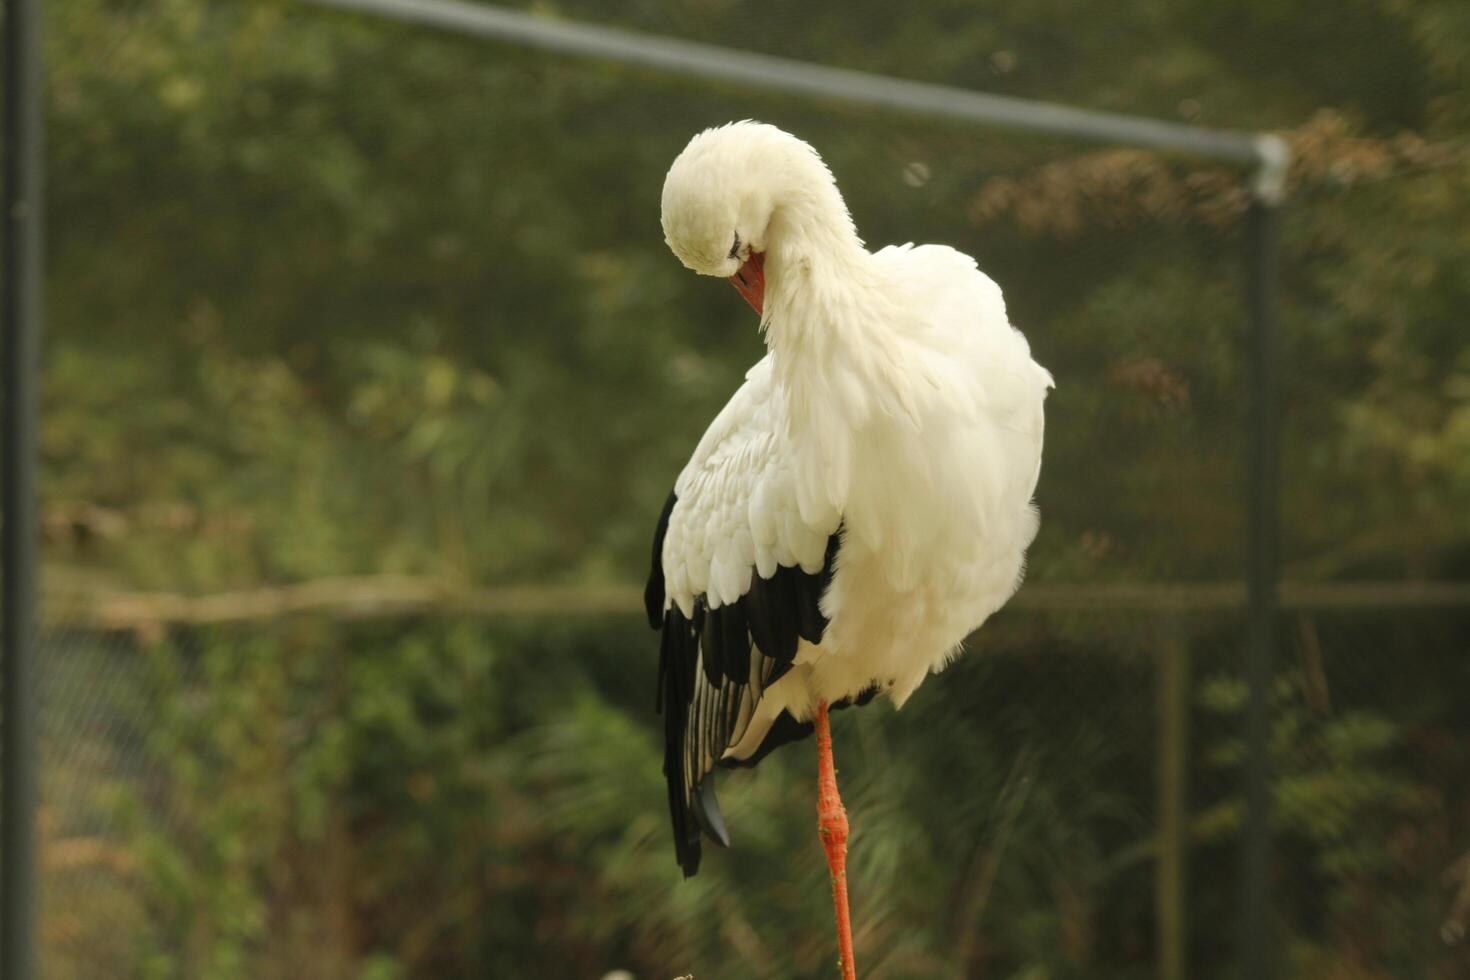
x,y
653,593
810,621
762,619
736,646
712,644
786,587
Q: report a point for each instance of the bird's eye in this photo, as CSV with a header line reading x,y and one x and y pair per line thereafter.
x,y
735,249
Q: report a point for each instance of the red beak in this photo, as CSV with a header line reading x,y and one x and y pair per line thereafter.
x,y
750,281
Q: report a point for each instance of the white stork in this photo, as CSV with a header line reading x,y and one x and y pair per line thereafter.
x,y
861,505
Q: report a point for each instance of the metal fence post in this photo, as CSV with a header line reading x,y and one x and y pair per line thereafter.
x,y
20,312
1262,258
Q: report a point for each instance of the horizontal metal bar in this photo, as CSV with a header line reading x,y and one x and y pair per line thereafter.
x,y
787,75
390,597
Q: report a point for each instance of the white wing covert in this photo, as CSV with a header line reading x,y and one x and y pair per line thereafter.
x,y
736,584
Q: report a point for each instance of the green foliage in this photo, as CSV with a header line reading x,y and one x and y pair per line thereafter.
x,y
1350,816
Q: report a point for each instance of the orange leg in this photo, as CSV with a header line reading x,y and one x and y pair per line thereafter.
x,y
832,825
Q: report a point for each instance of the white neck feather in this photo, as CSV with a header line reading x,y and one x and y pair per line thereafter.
x,y
838,348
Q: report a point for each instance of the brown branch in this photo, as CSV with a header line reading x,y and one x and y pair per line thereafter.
x,y
1110,189
394,597
350,598
1457,876
77,853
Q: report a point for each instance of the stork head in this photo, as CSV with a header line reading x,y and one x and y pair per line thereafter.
x,y
726,192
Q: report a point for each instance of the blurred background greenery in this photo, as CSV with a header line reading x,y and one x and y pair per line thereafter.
x,y
367,372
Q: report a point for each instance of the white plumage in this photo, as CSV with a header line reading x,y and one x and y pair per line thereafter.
x,y
896,403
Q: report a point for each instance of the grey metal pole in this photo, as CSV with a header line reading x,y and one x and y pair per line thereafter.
x,y
762,71
20,315
1257,960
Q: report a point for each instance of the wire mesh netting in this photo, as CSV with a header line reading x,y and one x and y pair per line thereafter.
x,y
368,371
